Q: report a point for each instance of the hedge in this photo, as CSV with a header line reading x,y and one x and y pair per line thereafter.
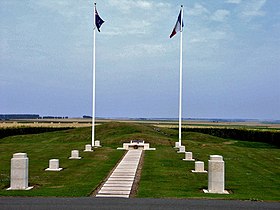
x,y
271,137
5,132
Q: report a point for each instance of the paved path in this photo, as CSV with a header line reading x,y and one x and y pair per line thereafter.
x,y
120,182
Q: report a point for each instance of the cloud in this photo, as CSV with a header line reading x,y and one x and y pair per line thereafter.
x,y
253,8
137,17
197,10
65,8
142,50
233,1
127,5
135,27
212,36
220,15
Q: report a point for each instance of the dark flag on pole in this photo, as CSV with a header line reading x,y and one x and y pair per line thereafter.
x,y
98,20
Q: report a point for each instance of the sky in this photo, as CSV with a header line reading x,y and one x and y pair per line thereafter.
x,y
231,58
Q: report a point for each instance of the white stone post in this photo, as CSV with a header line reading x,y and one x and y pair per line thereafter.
x,y
88,148
216,175
53,165
97,143
181,149
188,156
19,172
75,154
199,167
177,144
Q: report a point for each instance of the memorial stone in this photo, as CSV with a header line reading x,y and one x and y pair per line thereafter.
x,y
75,154
53,165
19,172
177,144
97,143
199,167
188,156
181,149
216,175
88,148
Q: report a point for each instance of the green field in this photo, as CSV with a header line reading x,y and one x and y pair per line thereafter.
x,y
252,168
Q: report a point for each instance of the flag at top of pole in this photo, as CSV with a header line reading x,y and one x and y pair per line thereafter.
x,y
98,19
179,27
97,22
179,24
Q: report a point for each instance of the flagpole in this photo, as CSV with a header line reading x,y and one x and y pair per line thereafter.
x,y
181,78
93,79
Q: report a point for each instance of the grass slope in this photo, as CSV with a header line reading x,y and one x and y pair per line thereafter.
x,y
79,177
252,169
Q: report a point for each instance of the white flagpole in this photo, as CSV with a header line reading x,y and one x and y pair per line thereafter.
x,y
93,78
181,78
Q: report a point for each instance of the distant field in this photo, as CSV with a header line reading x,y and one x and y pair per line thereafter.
x,y
79,122
45,124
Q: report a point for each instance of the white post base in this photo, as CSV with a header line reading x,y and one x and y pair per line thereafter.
x,y
188,156
88,148
207,191
75,155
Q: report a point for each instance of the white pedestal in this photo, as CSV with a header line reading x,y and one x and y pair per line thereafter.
x,y
216,175
199,167
75,154
97,143
53,165
141,145
19,172
88,148
177,144
181,149
188,156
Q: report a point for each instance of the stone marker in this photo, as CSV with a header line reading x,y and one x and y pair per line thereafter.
x,y
88,148
188,156
216,175
19,172
181,149
97,143
136,145
53,165
177,144
199,167
75,154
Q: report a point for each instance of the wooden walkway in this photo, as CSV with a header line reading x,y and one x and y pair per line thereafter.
x,y
120,182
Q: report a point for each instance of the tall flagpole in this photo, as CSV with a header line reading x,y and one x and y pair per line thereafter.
x,y
93,78
181,78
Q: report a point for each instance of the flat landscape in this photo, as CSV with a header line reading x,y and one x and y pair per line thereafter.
x,y
252,171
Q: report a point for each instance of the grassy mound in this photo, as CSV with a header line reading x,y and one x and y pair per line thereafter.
x,y
79,177
251,168
251,172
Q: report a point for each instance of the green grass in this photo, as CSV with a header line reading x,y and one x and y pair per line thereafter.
x,y
78,178
252,169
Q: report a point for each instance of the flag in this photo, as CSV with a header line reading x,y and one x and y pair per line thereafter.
x,y
98,20
177,26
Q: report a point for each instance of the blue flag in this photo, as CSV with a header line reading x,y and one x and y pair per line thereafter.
x,y
98,20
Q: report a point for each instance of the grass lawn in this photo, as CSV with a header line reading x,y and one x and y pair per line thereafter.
x,y
78,178
252,169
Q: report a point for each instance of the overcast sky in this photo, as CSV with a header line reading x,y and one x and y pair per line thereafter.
x,y
231,58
